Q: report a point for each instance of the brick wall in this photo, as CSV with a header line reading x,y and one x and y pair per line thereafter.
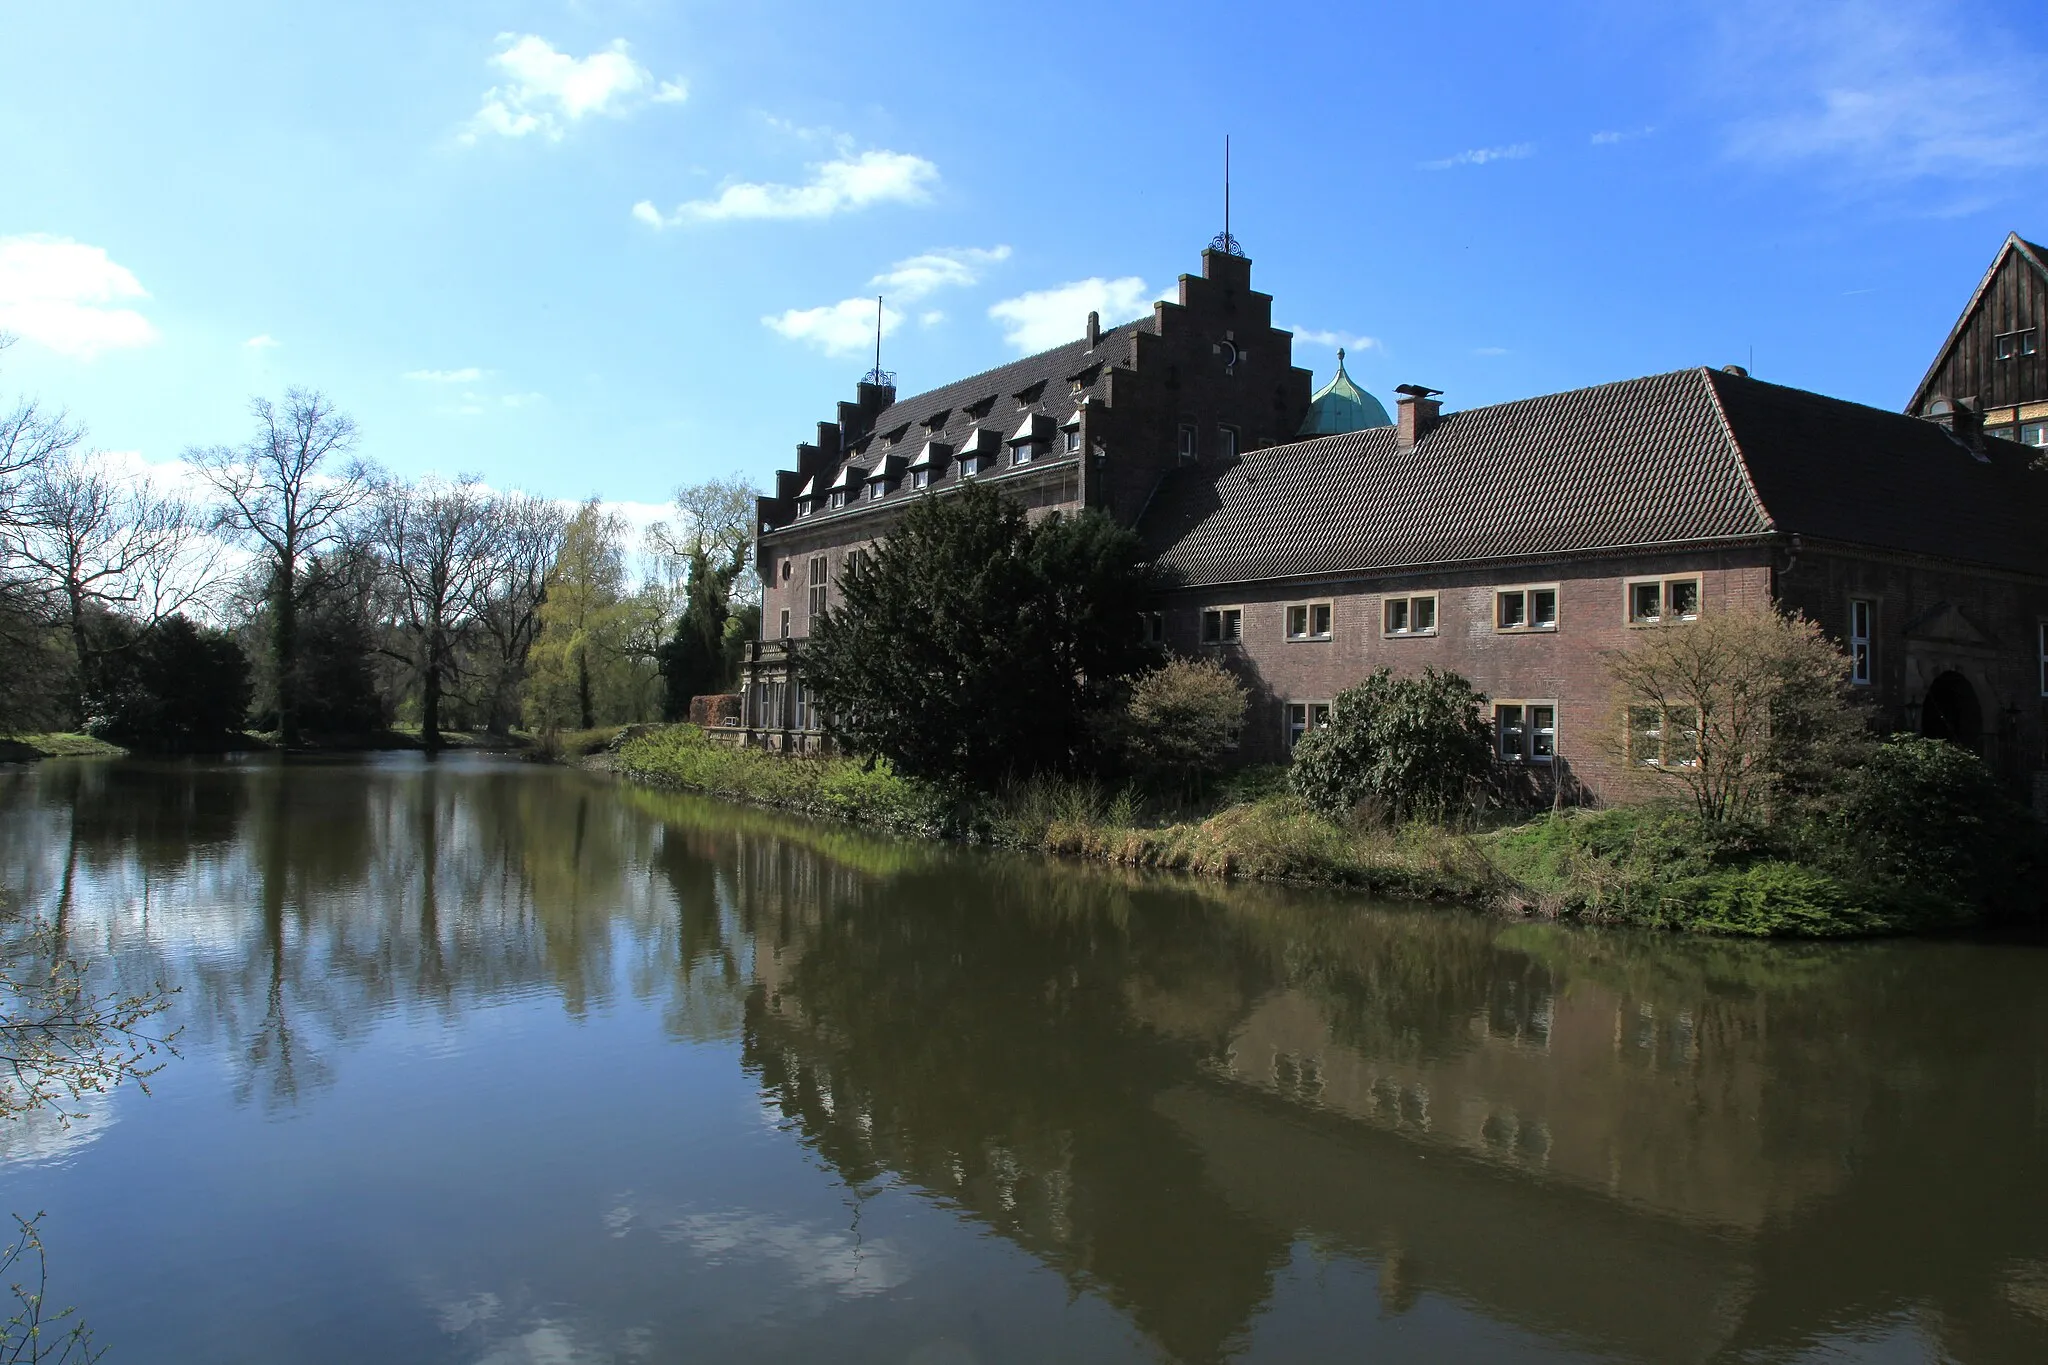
x,y
1563,666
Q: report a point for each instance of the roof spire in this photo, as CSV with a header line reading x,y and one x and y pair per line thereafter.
x,y
1223,241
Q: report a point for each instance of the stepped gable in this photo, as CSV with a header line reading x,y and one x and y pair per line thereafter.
x,y
1841,471
1695,455
1045,376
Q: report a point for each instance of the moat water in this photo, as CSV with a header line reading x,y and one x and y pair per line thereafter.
x,y
486,1062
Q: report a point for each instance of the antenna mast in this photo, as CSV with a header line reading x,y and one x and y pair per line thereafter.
x,y
878,375
1223,241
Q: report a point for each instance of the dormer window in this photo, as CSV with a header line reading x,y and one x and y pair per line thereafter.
x,y
1024,452
1073,441
1070,430
970,465
920,478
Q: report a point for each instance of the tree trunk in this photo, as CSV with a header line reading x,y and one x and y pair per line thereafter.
x,y
430,701
583,687
285,649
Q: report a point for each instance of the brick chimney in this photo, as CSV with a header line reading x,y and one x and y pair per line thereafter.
x,y
1415,414
1094,329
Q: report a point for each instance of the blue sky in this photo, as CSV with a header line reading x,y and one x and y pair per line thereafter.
x,y
604,248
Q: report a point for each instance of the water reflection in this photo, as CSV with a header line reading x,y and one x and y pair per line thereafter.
x,y
1187,1101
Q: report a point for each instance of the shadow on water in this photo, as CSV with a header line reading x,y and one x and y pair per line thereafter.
x,y
1631,1146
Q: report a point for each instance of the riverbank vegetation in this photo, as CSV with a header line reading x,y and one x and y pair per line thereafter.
x,y
983,677
290,593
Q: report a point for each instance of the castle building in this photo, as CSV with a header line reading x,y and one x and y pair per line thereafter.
x,y
1310,541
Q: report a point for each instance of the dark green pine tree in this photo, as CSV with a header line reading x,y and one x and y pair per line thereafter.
x,y
693,661
973,644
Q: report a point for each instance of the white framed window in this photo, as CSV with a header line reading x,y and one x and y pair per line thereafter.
x,y
1862,614
920,478
820,575
1073,441
1024,452
1304,717
1226,442
1664,736
970,465
1525,609
785,623
1309,620
805,507
1412,615
854,559
1653,601
1190,443
1222,625
1525,731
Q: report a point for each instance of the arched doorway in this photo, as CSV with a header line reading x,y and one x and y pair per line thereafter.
x,y
1951,712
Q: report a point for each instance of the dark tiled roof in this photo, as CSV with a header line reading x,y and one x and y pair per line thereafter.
x,y
1690,456
1048,373
1842,471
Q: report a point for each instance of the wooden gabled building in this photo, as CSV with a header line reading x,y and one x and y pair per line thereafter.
x,y
1994,363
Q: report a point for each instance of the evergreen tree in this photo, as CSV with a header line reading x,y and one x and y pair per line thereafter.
x,y
974,644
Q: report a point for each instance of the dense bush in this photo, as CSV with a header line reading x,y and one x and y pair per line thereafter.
x,y
1400,748
1183,720
174,685
1929,821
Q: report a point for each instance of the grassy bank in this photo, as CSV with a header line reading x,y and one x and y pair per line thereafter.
x,y
1651,866
32,748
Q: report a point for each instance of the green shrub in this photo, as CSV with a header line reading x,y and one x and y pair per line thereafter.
x,y
1183,720
1929,821
1768,899
1397,748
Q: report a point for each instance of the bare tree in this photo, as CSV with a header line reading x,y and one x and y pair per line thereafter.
x,y
715,519
30,436
92,544
435,542
525,538
288,489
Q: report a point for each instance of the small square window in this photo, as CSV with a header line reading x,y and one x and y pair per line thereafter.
x,y
970,466
1308,621
2027,344
1152,627
1518,609
1664,736
2034,434
1189,443
920,478
1024,452
1226,442
1073,441
1305,717
2005,346
1223,625
1652,601
1410,615
1525,731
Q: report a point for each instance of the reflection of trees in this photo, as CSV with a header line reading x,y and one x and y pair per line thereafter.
x,y
1157,1088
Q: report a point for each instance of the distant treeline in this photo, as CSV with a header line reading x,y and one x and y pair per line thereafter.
x,y
299,590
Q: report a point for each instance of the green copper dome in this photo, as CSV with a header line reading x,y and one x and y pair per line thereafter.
x,y
1342,406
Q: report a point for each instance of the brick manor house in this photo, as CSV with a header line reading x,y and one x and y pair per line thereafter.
x,y
1310,540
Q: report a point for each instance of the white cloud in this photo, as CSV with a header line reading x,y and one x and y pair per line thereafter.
x,y
1479,156
1887,92
521,400
547,90
1489,351
838,329
1607,137
815,1258
57,293
469,374
261,342
841,186
1045,318
939,269
1350,341
931,317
